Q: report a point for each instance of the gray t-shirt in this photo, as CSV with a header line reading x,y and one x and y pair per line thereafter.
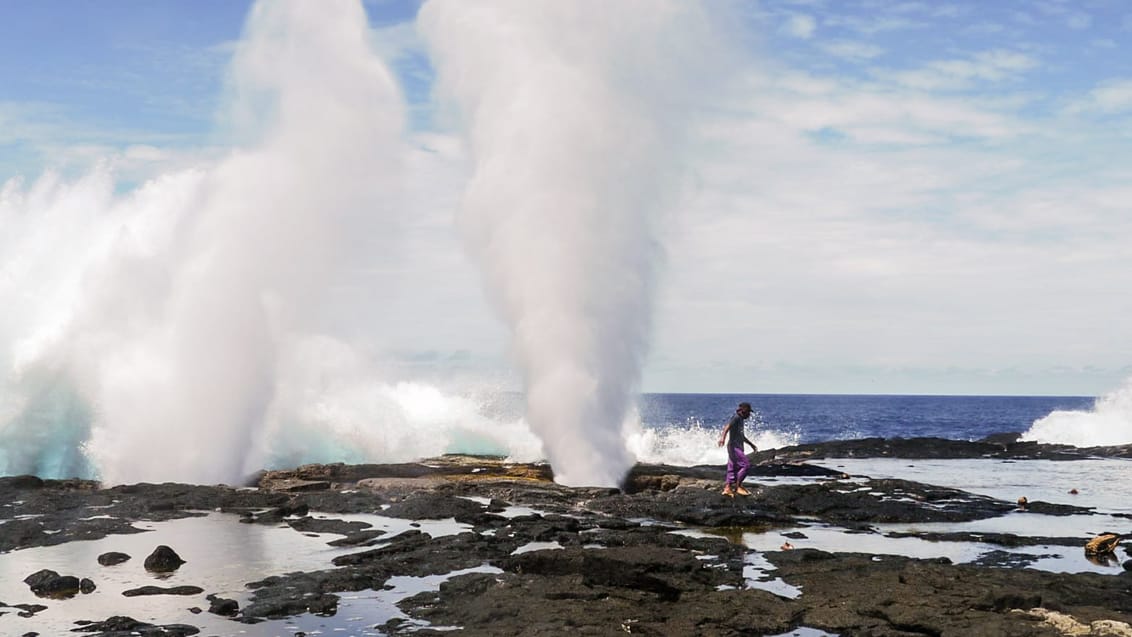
x,y
735,435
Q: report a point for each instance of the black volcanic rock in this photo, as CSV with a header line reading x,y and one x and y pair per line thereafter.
x,y
321,525
163,560
222,606
160,590
996,446
112,558
583,561
122,626
48,583
431,506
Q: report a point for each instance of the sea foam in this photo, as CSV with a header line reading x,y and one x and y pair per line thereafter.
x,y
1109,422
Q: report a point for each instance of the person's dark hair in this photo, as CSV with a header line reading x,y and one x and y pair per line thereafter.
x,y
747,405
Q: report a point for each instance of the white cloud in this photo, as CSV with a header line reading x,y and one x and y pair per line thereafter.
x,y
800,26
877,114
873,25
395,41
1079,21
998,65
1111,97
39,135
841,263
852,50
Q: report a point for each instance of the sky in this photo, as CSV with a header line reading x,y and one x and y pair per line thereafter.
x,y
887,197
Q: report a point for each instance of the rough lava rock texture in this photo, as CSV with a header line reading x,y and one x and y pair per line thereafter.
x,y
660,556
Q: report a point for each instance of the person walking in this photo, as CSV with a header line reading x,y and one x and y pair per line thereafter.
x,y
737,463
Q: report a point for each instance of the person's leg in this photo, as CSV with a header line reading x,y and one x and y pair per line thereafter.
x,y
731,472
742,467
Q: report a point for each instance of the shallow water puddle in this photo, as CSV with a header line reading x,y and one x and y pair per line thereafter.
x,y
222,555
537,546
805,632
1053,558
1036,480
758,573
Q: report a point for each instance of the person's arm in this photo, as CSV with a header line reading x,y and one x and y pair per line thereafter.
x,y
723,436
748,441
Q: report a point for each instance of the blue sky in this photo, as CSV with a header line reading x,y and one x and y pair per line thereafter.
x,y
905,197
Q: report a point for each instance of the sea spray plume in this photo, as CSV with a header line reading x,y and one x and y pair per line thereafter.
x,y
576,114
260,250
1109,422
42,420
175,339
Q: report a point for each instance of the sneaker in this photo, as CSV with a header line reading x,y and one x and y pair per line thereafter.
x,y
728,492
742,491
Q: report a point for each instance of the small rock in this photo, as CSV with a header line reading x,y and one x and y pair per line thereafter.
x,y
226,607
48,583
112,558
86,586
158,590
40,577
325,605
29,610
163,560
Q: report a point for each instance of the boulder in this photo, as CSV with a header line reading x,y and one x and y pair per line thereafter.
x,y
432,506
112,558
163,560
222,606
48,583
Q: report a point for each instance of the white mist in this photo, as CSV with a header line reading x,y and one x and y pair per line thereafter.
x,y
1108,423
174,311
576,115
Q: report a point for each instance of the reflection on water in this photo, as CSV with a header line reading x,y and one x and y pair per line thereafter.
x,y
758,573
222,555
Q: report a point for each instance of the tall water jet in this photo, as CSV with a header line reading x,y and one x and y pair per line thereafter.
x,y
176,320
576,114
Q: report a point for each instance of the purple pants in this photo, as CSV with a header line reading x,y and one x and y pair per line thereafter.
x,y
737,465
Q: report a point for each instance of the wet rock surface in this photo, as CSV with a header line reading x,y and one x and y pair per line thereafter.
x,y
163,560
120,626
659,556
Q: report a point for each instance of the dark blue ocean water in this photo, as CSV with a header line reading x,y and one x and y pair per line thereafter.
x,y
815,417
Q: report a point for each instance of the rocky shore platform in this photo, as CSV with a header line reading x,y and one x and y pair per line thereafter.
x,y
662,555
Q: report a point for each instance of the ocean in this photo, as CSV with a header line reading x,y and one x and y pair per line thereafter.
x,y
681,429
410,421
805,418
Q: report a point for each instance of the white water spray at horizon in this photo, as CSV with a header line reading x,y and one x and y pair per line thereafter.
x,y
1108,423
575,114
